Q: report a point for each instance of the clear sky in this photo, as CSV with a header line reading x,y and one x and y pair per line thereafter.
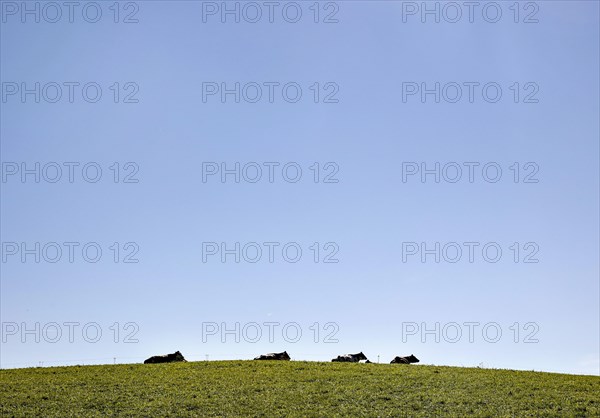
x,y
370,130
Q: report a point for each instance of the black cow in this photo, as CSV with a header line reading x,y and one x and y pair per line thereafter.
x,y
350,358
405,360
274,356
167,358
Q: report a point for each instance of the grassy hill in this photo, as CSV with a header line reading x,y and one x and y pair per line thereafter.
x,y
236,388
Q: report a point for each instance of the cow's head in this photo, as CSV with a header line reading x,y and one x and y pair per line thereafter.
x,y
361,356
412,359
285,355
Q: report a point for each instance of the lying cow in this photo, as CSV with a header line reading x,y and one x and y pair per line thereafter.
x,y
405,360
274,356
350,358
167,358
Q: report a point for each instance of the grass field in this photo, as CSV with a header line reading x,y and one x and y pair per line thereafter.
x,y
252,388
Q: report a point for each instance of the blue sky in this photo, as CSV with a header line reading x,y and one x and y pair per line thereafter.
x,y
370,293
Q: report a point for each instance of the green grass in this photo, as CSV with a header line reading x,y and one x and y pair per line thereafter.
x,y
252,388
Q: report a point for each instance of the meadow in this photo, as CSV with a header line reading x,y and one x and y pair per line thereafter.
x,y
293,388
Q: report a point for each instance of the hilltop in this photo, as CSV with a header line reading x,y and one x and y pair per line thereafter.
x,y
236,388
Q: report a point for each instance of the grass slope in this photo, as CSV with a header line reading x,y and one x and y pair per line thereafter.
x,y
251,388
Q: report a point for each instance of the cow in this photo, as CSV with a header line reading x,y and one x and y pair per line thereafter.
x,y
404,360
350,358
274,356
167,358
